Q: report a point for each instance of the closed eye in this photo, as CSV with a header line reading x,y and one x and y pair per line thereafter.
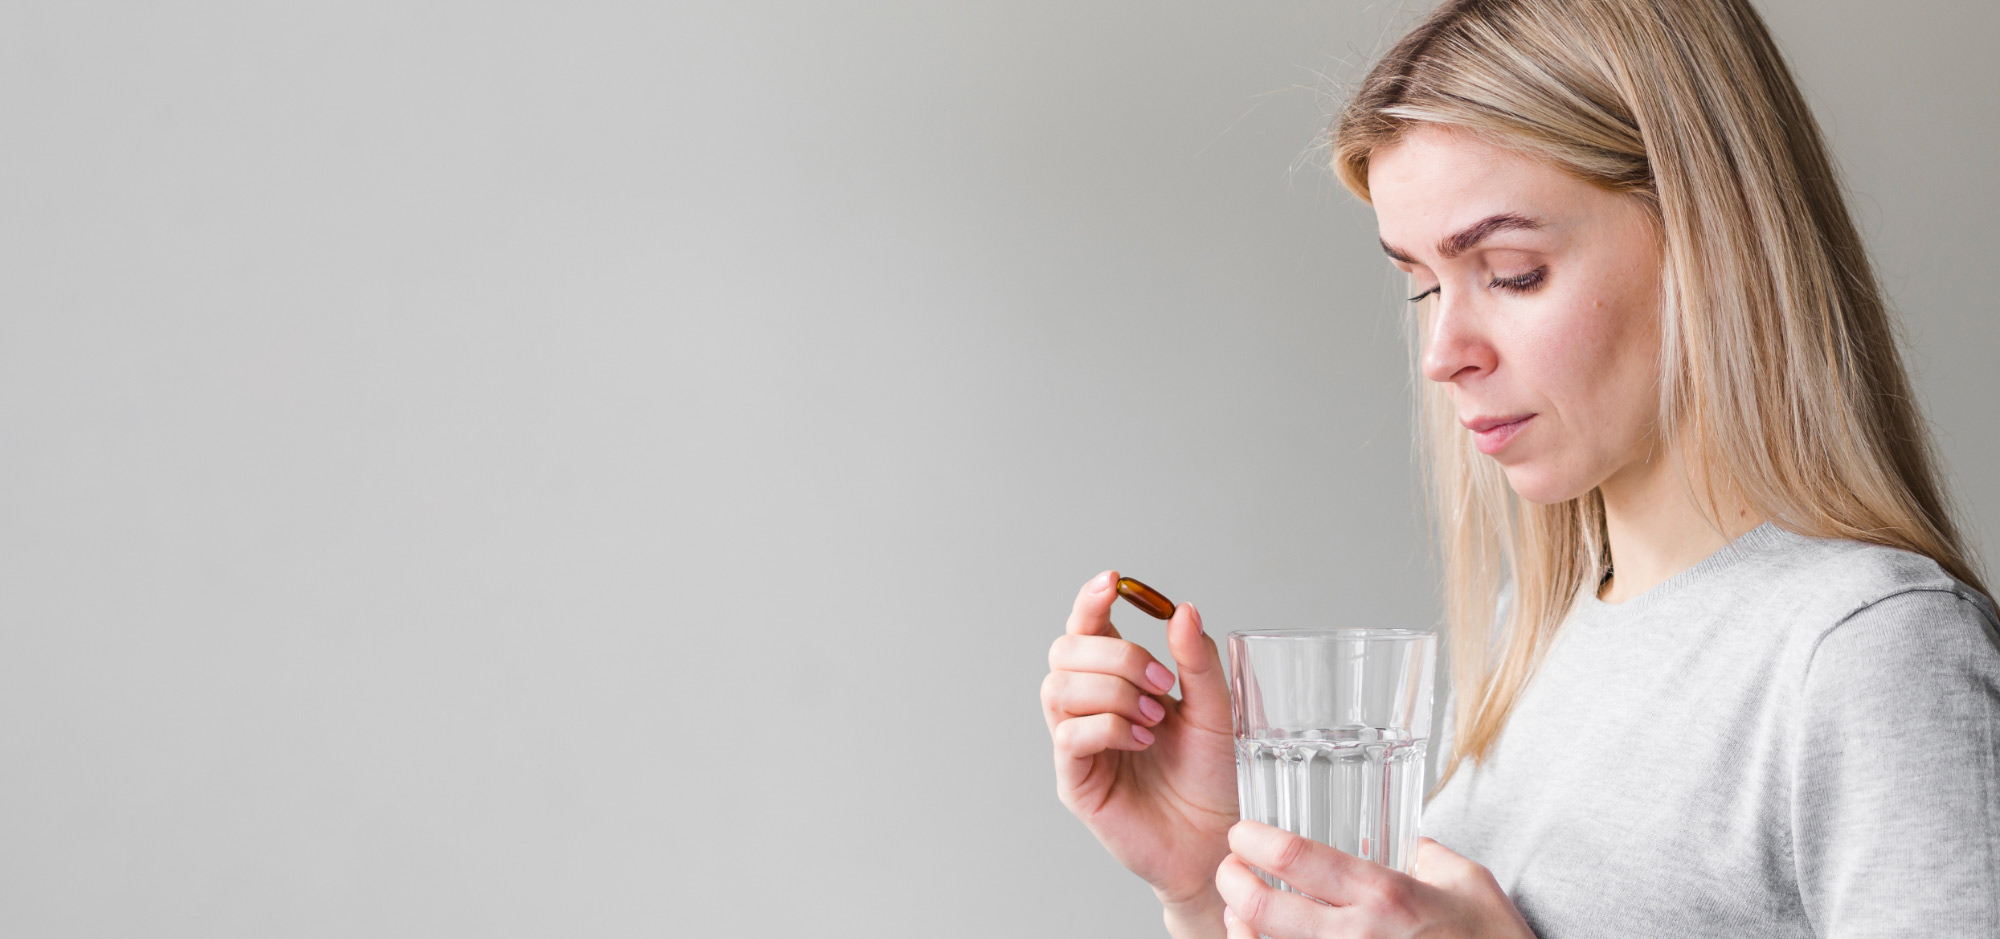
x,y
1522,283
1519,283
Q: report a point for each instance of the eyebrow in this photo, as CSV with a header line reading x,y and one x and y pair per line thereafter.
x,y
1456,244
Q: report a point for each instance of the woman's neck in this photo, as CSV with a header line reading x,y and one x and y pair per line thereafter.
x,y
1657,529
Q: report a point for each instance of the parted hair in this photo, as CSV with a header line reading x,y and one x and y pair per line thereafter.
x,y
1781,377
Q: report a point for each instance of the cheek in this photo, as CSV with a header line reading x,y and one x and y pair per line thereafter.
x,y
1595,370
1568,351
1596,360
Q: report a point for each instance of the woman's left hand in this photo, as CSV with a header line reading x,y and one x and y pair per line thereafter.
x,y
1450,896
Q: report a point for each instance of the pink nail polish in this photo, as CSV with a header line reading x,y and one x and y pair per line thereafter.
x,y
1153,710
1141,734
1100,583
1159,676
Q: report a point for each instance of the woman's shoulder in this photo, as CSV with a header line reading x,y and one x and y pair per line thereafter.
x,y
1839,577
1852,605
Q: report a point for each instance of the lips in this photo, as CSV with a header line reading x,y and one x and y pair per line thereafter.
x,y
1490,434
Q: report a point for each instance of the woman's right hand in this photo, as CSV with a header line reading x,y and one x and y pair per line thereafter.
x,y
1153,777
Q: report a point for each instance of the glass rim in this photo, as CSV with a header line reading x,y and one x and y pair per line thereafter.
x,y
1343,633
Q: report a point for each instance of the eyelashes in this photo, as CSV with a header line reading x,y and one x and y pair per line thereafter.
x,y
1519,283
1522,283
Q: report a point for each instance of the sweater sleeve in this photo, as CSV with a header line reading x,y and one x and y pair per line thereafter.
x,y
1896,772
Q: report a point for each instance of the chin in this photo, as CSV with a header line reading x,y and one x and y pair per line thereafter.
x,y
1543,486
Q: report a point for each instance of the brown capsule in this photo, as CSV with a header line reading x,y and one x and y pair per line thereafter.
x,y
1146,598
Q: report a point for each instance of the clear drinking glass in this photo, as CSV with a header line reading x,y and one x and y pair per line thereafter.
x,y
1331,729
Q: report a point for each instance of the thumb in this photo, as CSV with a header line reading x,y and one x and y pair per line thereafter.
x,y
1204,687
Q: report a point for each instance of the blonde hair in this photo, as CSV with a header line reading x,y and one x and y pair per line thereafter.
x,y
1781,377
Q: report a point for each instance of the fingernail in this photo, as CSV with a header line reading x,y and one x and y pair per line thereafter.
x,y
1159,676
1153,710
1099,583
1197,619
1141,734
1229,915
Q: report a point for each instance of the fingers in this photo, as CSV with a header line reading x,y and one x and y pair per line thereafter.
x,y
1080,739
1365,898
1444,868
1204,687
1437,864
1317,869
1109,656
1067,694
1260,908
1087,736
1091,614
1235,927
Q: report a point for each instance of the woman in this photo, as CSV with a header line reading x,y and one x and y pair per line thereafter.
x,y
1743,676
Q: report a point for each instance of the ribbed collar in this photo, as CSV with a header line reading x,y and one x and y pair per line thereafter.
x,y
1750,544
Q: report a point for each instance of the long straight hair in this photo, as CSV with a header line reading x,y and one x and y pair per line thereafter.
x,y
1781,377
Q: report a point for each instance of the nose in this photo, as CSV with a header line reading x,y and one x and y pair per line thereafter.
x,y
1455,343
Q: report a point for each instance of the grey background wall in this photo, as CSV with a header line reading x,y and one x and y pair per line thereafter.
x,y
615,469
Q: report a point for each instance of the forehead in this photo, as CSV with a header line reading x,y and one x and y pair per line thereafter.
x,y
1435,180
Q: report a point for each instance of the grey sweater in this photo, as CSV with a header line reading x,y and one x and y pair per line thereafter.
x,y
1794,737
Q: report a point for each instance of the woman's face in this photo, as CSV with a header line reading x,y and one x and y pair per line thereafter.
x,y
1542,297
